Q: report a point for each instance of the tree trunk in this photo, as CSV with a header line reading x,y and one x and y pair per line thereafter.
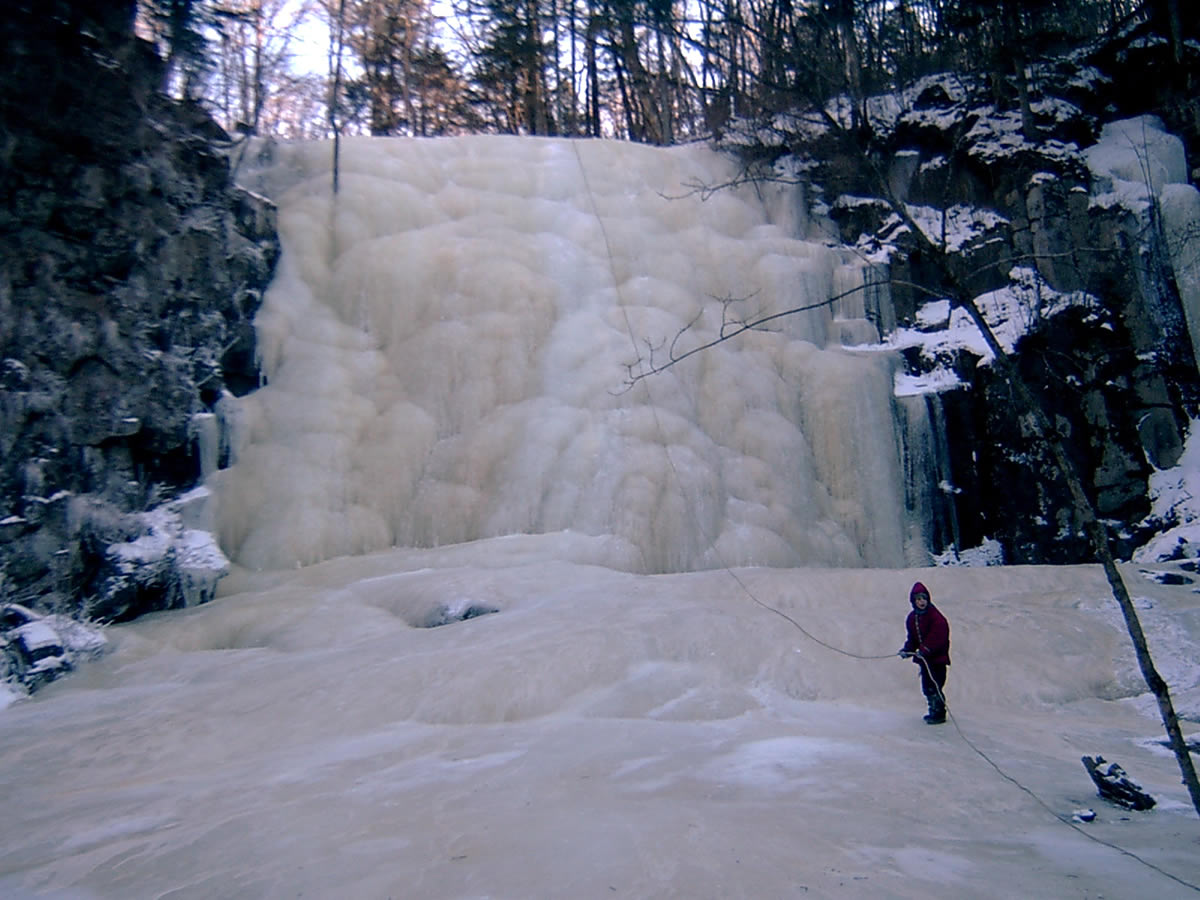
x,y
851,60
260,87
1014,40
593,77
641,90
665,96
535,98
336,42
1175,28
632,125
407,69
1096,531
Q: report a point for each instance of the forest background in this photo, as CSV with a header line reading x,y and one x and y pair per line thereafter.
x,y
655,71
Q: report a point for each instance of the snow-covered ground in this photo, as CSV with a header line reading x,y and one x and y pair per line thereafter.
x,y
603,734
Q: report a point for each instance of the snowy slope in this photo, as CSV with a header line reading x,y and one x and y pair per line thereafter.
x,y
603,734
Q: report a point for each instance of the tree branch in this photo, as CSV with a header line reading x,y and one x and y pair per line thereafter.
x,y
730,328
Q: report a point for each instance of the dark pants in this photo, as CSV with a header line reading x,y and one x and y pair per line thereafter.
x,y
933,678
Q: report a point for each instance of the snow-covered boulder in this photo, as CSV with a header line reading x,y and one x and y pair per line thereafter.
x,y
36,649
167,564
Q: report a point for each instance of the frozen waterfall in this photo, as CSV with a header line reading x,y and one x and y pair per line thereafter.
x,y
447,347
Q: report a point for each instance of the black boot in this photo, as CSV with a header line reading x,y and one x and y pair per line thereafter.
x,y
937,711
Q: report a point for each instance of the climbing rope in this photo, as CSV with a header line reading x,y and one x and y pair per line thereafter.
x,y
1091,837
783,615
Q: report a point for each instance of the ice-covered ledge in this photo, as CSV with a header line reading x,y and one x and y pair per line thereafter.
x,y
176,556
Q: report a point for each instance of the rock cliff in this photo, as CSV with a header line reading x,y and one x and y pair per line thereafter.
x,y
1080,240
130,272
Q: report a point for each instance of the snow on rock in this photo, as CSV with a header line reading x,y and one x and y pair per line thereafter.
x,y
956,228
959,229
988,553
935,314
938,379
171,561
941,333
930,102
80,639
997,136
36,649
743,132
201,565
1175,507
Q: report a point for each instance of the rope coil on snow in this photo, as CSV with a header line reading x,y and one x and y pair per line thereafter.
x,y
766,606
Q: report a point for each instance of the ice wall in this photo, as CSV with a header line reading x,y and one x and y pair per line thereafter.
x,y
1137,162
1180,204
447,345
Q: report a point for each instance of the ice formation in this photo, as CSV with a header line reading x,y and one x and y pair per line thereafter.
x,y
448,343
1136,162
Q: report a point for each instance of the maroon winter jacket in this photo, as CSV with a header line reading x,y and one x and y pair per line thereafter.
x,y
929,633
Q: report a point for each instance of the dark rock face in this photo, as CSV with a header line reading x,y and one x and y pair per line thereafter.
x,y
130,272
1117,374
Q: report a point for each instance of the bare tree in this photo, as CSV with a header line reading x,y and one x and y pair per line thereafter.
x,y
252,52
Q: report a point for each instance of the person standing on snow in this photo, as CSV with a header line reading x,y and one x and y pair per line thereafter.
x,y
928,645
